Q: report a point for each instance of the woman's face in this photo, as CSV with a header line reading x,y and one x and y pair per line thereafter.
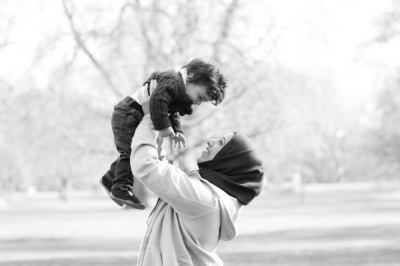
x,y
213,147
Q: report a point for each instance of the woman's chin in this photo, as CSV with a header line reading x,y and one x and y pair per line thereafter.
x,y
203,157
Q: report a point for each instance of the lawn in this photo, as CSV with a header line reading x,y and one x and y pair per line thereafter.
x,y
329,225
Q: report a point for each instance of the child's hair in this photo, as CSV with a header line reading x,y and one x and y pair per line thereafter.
x,y
208,74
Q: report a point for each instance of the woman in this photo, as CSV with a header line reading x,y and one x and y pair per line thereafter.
x,y
197,209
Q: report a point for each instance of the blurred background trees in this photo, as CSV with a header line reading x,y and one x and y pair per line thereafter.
x,y
316,88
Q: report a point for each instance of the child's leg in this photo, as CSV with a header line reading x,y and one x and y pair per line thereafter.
x,y
123,172
122,191
107,180
124,123
110,174
108,177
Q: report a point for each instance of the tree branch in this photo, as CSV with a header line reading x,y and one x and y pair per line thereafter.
x,y
81,44
226,26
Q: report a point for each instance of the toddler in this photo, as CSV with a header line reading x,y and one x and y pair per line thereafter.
x,y
197,82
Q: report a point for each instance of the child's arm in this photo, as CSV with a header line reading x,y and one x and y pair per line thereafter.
x,y
167,125
175,120
178,136
176,125
159,102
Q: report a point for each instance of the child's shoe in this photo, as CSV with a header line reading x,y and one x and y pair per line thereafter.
x,y
106,182
124,195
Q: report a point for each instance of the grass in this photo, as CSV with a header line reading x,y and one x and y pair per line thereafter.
x,y
330,226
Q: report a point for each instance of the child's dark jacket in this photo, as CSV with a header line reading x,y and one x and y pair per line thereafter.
x,y
169,101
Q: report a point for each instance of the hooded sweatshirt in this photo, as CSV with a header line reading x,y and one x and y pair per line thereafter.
x,y
191,216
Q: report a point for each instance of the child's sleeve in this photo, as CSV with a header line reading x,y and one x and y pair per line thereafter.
x,y
159,102
175,120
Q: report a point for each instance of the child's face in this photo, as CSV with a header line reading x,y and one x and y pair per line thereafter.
x,y
197,93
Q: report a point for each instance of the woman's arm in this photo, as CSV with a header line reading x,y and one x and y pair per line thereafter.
x,y
187,195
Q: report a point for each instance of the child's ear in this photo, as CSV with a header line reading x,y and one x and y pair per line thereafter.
x,y
189,76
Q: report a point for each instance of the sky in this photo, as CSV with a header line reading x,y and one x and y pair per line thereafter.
x,y
312,35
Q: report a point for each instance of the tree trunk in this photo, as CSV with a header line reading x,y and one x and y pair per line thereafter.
x,y
65,190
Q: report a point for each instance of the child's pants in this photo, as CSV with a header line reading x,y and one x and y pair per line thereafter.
x,y
125,119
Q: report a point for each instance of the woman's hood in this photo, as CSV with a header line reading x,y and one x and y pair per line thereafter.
x,y
230,208
237,169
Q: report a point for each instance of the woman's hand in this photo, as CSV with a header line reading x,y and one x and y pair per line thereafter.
x,y
144,97
167,132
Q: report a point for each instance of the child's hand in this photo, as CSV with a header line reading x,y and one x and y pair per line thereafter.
x,y
179,139
167,132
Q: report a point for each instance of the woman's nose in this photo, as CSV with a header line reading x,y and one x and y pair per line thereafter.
x,y
211,142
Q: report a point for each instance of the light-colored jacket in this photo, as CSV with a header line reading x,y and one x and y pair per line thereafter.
x,y
191,216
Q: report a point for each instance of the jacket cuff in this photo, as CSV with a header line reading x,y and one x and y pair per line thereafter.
x,y
161,124
177,128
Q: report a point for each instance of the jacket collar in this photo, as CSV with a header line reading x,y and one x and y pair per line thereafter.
x,y
183,72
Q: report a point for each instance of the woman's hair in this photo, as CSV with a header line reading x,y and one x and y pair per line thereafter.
x,y
208,74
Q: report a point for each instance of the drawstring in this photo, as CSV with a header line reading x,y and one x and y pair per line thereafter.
x,y
152,211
